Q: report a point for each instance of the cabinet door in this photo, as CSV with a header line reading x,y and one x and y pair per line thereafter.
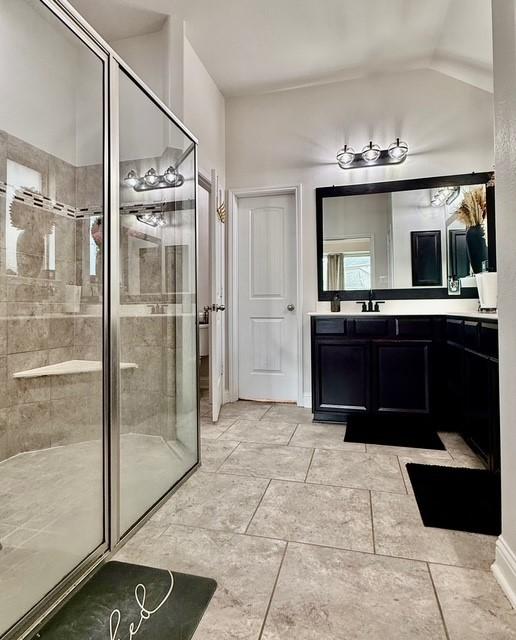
x,y
341,376
476,402
494,414
452,369
426,258
401,379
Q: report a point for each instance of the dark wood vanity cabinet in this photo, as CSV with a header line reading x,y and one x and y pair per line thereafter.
x,y
344,369
438,369
471,403
402,371
370,365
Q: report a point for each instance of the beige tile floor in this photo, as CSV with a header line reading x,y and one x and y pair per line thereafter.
x,y
311,538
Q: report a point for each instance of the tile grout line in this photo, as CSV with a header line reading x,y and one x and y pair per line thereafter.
x,y
313,544
227,456
402,475
309,466
260,635
437,601
293,434
257,507
372,520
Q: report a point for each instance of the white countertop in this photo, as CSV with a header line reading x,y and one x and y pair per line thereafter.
x,y
377,314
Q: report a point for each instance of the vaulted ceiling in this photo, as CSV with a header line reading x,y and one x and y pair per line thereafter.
x,y
251,46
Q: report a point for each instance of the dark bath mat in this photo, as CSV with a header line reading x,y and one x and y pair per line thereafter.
x,y
393,432
456,498
87,615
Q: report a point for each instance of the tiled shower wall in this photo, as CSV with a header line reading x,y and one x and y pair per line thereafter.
x,y
38,329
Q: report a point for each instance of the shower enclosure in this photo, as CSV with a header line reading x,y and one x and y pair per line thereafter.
x,y
98,321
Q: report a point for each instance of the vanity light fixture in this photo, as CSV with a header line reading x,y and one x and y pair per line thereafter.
x,y
153,180
345,156
371,152
398,150
372,155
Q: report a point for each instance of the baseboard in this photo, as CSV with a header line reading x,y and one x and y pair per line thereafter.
x,y
307,400
504,569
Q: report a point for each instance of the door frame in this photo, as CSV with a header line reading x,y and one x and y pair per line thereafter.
x,y
234,195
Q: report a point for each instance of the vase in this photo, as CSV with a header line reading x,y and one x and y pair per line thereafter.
x,y
477,247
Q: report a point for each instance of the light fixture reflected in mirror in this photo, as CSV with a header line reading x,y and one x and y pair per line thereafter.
x,y
153,219
445,195
132,179
398,150
345,156
371,152
152,180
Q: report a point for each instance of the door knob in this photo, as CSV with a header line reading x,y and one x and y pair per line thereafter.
x,y
218,307
291,307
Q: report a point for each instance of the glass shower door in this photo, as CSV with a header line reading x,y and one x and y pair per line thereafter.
x,y
158,328
51,305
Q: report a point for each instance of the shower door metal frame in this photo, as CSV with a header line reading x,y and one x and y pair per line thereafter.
x,y
113,65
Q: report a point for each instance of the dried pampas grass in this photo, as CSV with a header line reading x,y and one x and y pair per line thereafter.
x,y
473,208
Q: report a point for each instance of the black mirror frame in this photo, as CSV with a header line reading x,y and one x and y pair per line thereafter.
x,y
486,178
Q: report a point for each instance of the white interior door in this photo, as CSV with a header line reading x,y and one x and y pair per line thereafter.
x,y
267,298
217,262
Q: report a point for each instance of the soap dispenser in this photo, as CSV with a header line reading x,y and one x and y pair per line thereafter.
x,y
335,303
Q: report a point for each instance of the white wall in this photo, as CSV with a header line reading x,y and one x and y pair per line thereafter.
x,y
412,211
166,61
147,55
205,114
504,39
362,215
291,137
39,79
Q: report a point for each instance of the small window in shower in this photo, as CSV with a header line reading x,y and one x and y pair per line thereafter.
x,y
19,178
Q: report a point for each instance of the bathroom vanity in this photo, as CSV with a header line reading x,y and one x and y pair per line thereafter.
x,y
440,370
432,364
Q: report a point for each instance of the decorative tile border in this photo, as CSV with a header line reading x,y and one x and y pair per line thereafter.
x,y
37,200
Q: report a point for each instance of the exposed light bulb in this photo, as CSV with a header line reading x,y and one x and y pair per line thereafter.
x,y
371,152
398,150
170,176
151,177
345,156
131,180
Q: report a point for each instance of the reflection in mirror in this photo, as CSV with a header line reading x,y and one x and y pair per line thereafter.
x,y
403,239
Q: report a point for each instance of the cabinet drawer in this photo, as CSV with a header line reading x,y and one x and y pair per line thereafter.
x,y
455,330
371,327
489,339
472,334
414,327
330,326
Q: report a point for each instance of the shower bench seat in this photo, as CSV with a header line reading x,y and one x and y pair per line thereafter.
x,y
69,367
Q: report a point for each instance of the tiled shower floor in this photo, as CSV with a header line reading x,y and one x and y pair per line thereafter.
x,y
311,538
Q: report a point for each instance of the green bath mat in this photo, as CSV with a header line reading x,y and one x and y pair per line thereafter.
x,y
160,605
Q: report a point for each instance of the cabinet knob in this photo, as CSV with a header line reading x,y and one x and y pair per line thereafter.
x,y
291,307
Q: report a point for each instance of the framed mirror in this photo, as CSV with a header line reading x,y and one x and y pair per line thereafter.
x,y
406,239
